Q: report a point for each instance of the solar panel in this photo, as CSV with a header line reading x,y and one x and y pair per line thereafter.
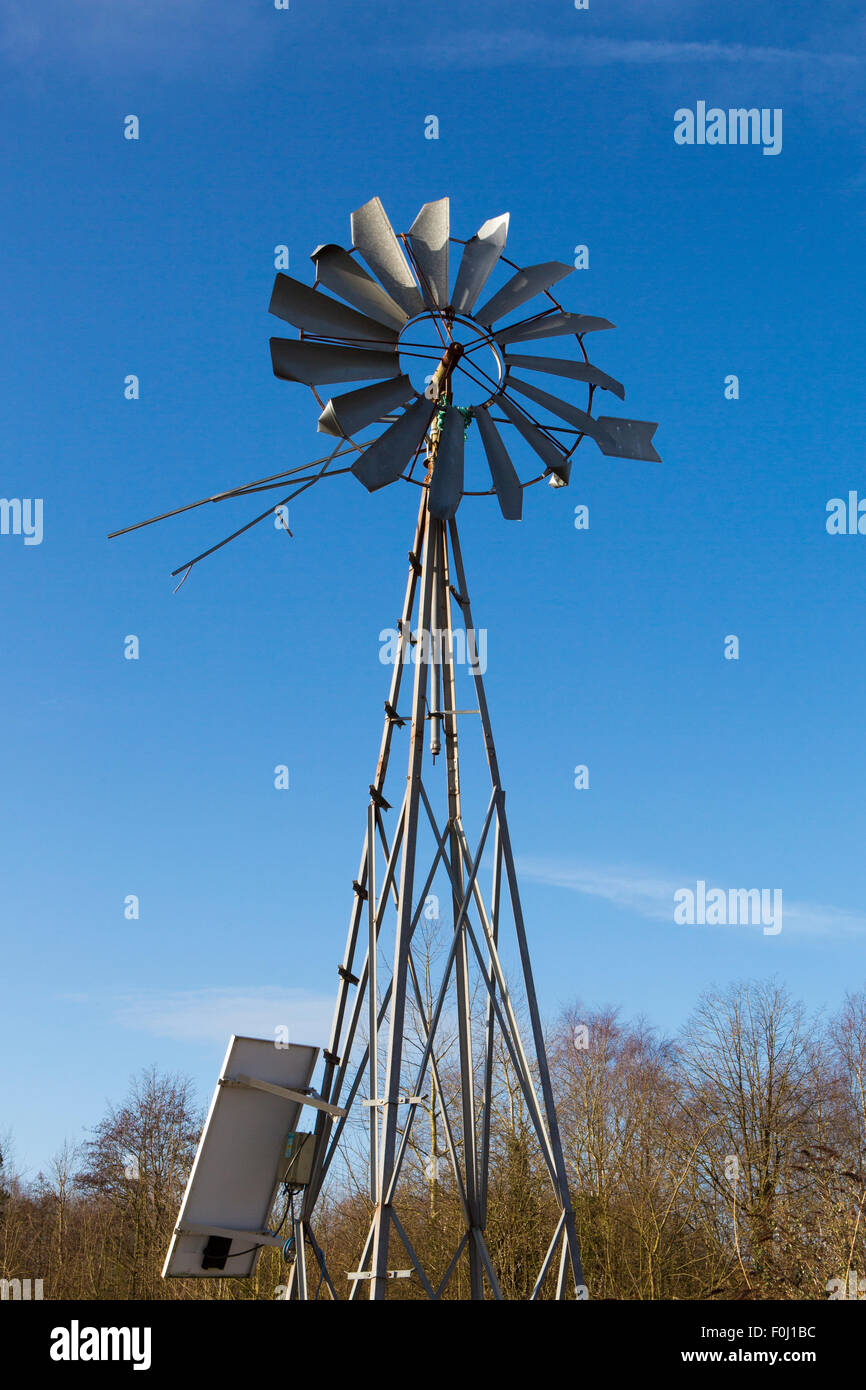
x,y
241,1157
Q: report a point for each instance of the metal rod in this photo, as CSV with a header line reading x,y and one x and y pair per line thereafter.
x,y
323,1129
364,1253
434,1069
521,1058
545,1265
412,1256
447,973
255,521
232,492
372,997
300,1258
529,983
357,1012
508,1027
322,1265
489,1040
453,1265
464,1001
484,1255
401,947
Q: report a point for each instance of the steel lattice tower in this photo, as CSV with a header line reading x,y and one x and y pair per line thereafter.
x,y
372,1090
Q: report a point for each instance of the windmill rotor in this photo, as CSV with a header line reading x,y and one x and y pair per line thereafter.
x,y
385,310
404,290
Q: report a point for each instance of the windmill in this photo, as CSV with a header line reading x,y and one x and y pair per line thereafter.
x,y
438,371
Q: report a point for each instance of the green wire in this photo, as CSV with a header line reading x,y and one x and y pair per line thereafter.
x,y
467,411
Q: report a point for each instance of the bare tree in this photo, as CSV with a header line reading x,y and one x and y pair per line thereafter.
x,y
751,1085
137,1164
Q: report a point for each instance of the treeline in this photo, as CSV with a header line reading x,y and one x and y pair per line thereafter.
x,y
725,1163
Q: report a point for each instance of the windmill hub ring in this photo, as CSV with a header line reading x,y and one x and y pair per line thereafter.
x,y
476,380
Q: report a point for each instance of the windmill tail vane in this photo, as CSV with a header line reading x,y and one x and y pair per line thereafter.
x,y
437,390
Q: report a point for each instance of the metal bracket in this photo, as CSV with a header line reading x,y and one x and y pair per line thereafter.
x,y
378,799
347,975
394,716
389,1274
401,1100
299,1097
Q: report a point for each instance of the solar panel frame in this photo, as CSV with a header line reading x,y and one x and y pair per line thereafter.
x,y
235,1176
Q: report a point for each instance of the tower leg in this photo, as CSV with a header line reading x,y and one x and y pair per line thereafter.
x,y
390,1107
444,651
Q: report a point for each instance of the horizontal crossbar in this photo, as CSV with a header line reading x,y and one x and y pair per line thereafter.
x,y
285,1093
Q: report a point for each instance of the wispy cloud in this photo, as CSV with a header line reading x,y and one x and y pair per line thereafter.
x,y
819,919
171,38
502,47
211,1015
640,893
652,897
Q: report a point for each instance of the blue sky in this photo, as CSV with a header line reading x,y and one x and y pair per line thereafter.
x,y
156,257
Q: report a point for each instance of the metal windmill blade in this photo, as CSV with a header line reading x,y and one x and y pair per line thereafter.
x,y
551,455
344,415
575,371
375,239
446,486
480,255
564,409
345,276
428,236
317,313
384,460
551,326
502,470
319,363
523,286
